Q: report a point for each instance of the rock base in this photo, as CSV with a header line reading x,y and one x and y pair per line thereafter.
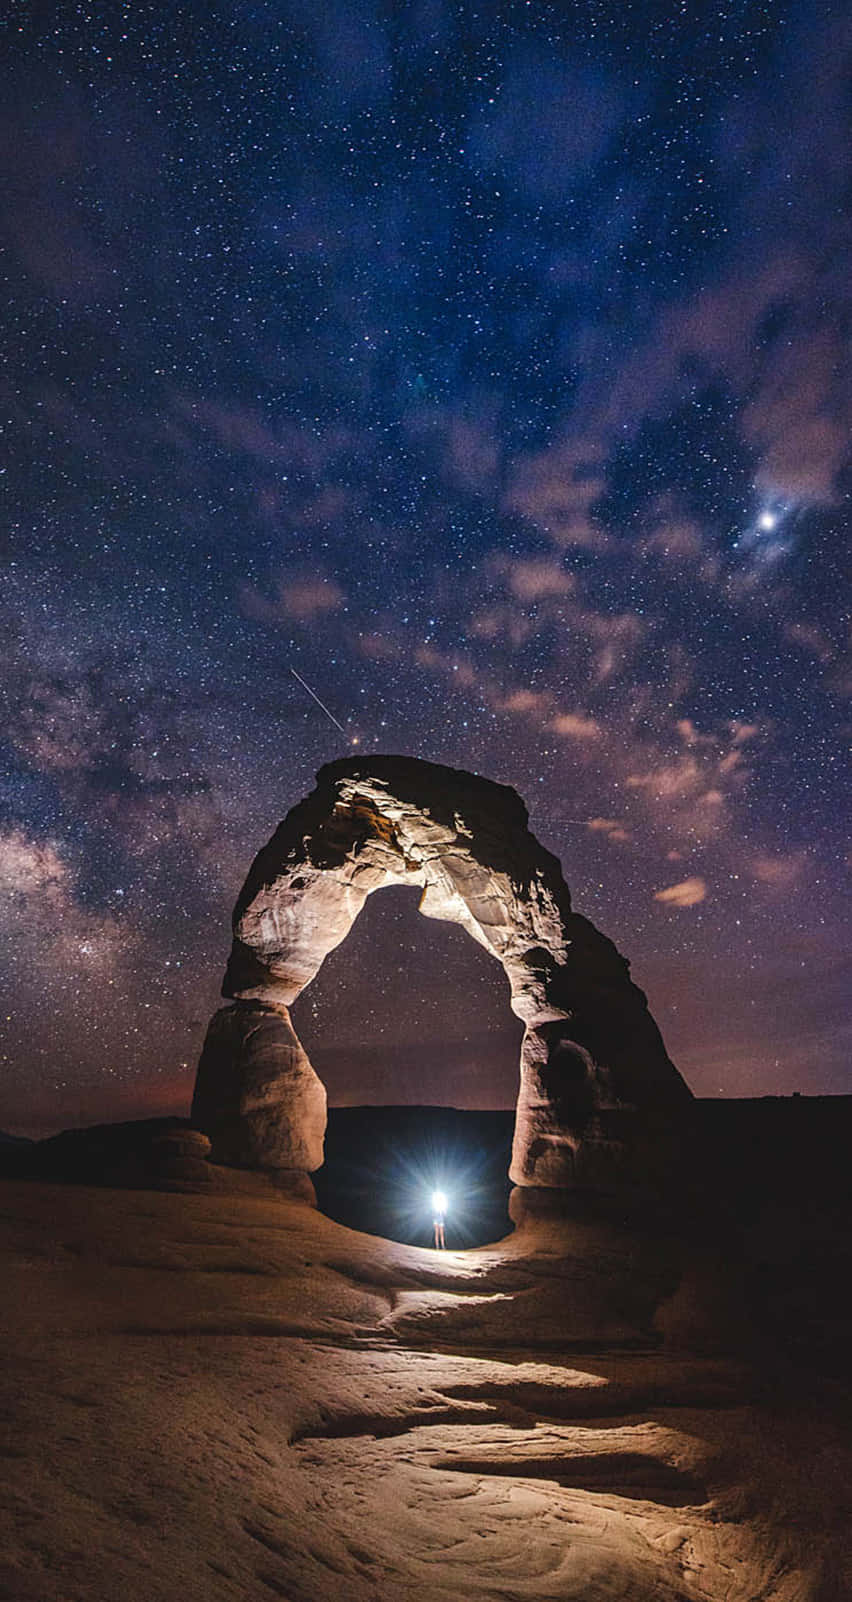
x,y
256,1095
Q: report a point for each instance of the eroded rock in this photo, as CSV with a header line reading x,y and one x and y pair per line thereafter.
x,y
592,1056
256,1094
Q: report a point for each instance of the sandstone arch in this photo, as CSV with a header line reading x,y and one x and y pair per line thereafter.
x,y
592,1058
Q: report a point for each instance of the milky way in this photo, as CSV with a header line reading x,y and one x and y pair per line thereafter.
x,y
485,367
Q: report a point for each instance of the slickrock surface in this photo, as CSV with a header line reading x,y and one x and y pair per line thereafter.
x,y
227,1398
591,1056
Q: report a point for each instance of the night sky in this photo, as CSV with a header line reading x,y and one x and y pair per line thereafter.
x,y
487,365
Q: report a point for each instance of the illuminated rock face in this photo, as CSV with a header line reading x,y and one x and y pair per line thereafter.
x,y
592,1056
256,1094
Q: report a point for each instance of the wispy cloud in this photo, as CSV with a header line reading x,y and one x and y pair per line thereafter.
x,y
525,701
575,726
612,828
690,782
537,578
556,489
302,598
275,442
688,893
779,872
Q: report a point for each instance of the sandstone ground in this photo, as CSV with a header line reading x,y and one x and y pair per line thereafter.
x,y
228,1396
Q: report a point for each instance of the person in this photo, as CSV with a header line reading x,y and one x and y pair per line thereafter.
x,y
439,1209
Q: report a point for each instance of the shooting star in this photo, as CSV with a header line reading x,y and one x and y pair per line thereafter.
x,y
318,701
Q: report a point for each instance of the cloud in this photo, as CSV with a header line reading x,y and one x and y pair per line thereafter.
x,y
686,894
771,327
779,872
244,432
610,827
539,577
800,418
792,176
503,623
713,330
576,726
353,57
677,539
472,459
464,451
310,598
378,648
556,489
670,780
690,789
795,413
542,597
536,708
614,637
811,638
743,732
301,599
458,449
457,668
523,701
691,735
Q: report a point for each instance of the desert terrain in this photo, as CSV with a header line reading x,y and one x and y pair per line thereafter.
x,y
218,1392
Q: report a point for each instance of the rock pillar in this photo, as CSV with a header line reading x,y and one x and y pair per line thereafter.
x,y
256,1095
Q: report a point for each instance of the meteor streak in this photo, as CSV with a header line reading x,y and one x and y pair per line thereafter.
x,y
318,701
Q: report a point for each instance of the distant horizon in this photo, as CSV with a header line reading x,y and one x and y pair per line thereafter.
x,y
47,1133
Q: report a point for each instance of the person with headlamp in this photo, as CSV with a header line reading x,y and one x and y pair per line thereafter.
x,y
439,1213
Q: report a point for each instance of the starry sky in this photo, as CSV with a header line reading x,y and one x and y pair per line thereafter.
x,y
485,365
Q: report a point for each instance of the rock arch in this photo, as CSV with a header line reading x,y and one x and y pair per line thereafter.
x,y
592,1058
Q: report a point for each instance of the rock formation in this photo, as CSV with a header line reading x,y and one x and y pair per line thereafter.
x,y
257,1095
592,1056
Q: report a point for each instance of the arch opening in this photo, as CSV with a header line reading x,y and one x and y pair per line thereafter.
x,y
383,1166
409,1027
592,1059
407,1010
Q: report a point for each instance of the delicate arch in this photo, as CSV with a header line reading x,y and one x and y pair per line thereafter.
x,y
591,1054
